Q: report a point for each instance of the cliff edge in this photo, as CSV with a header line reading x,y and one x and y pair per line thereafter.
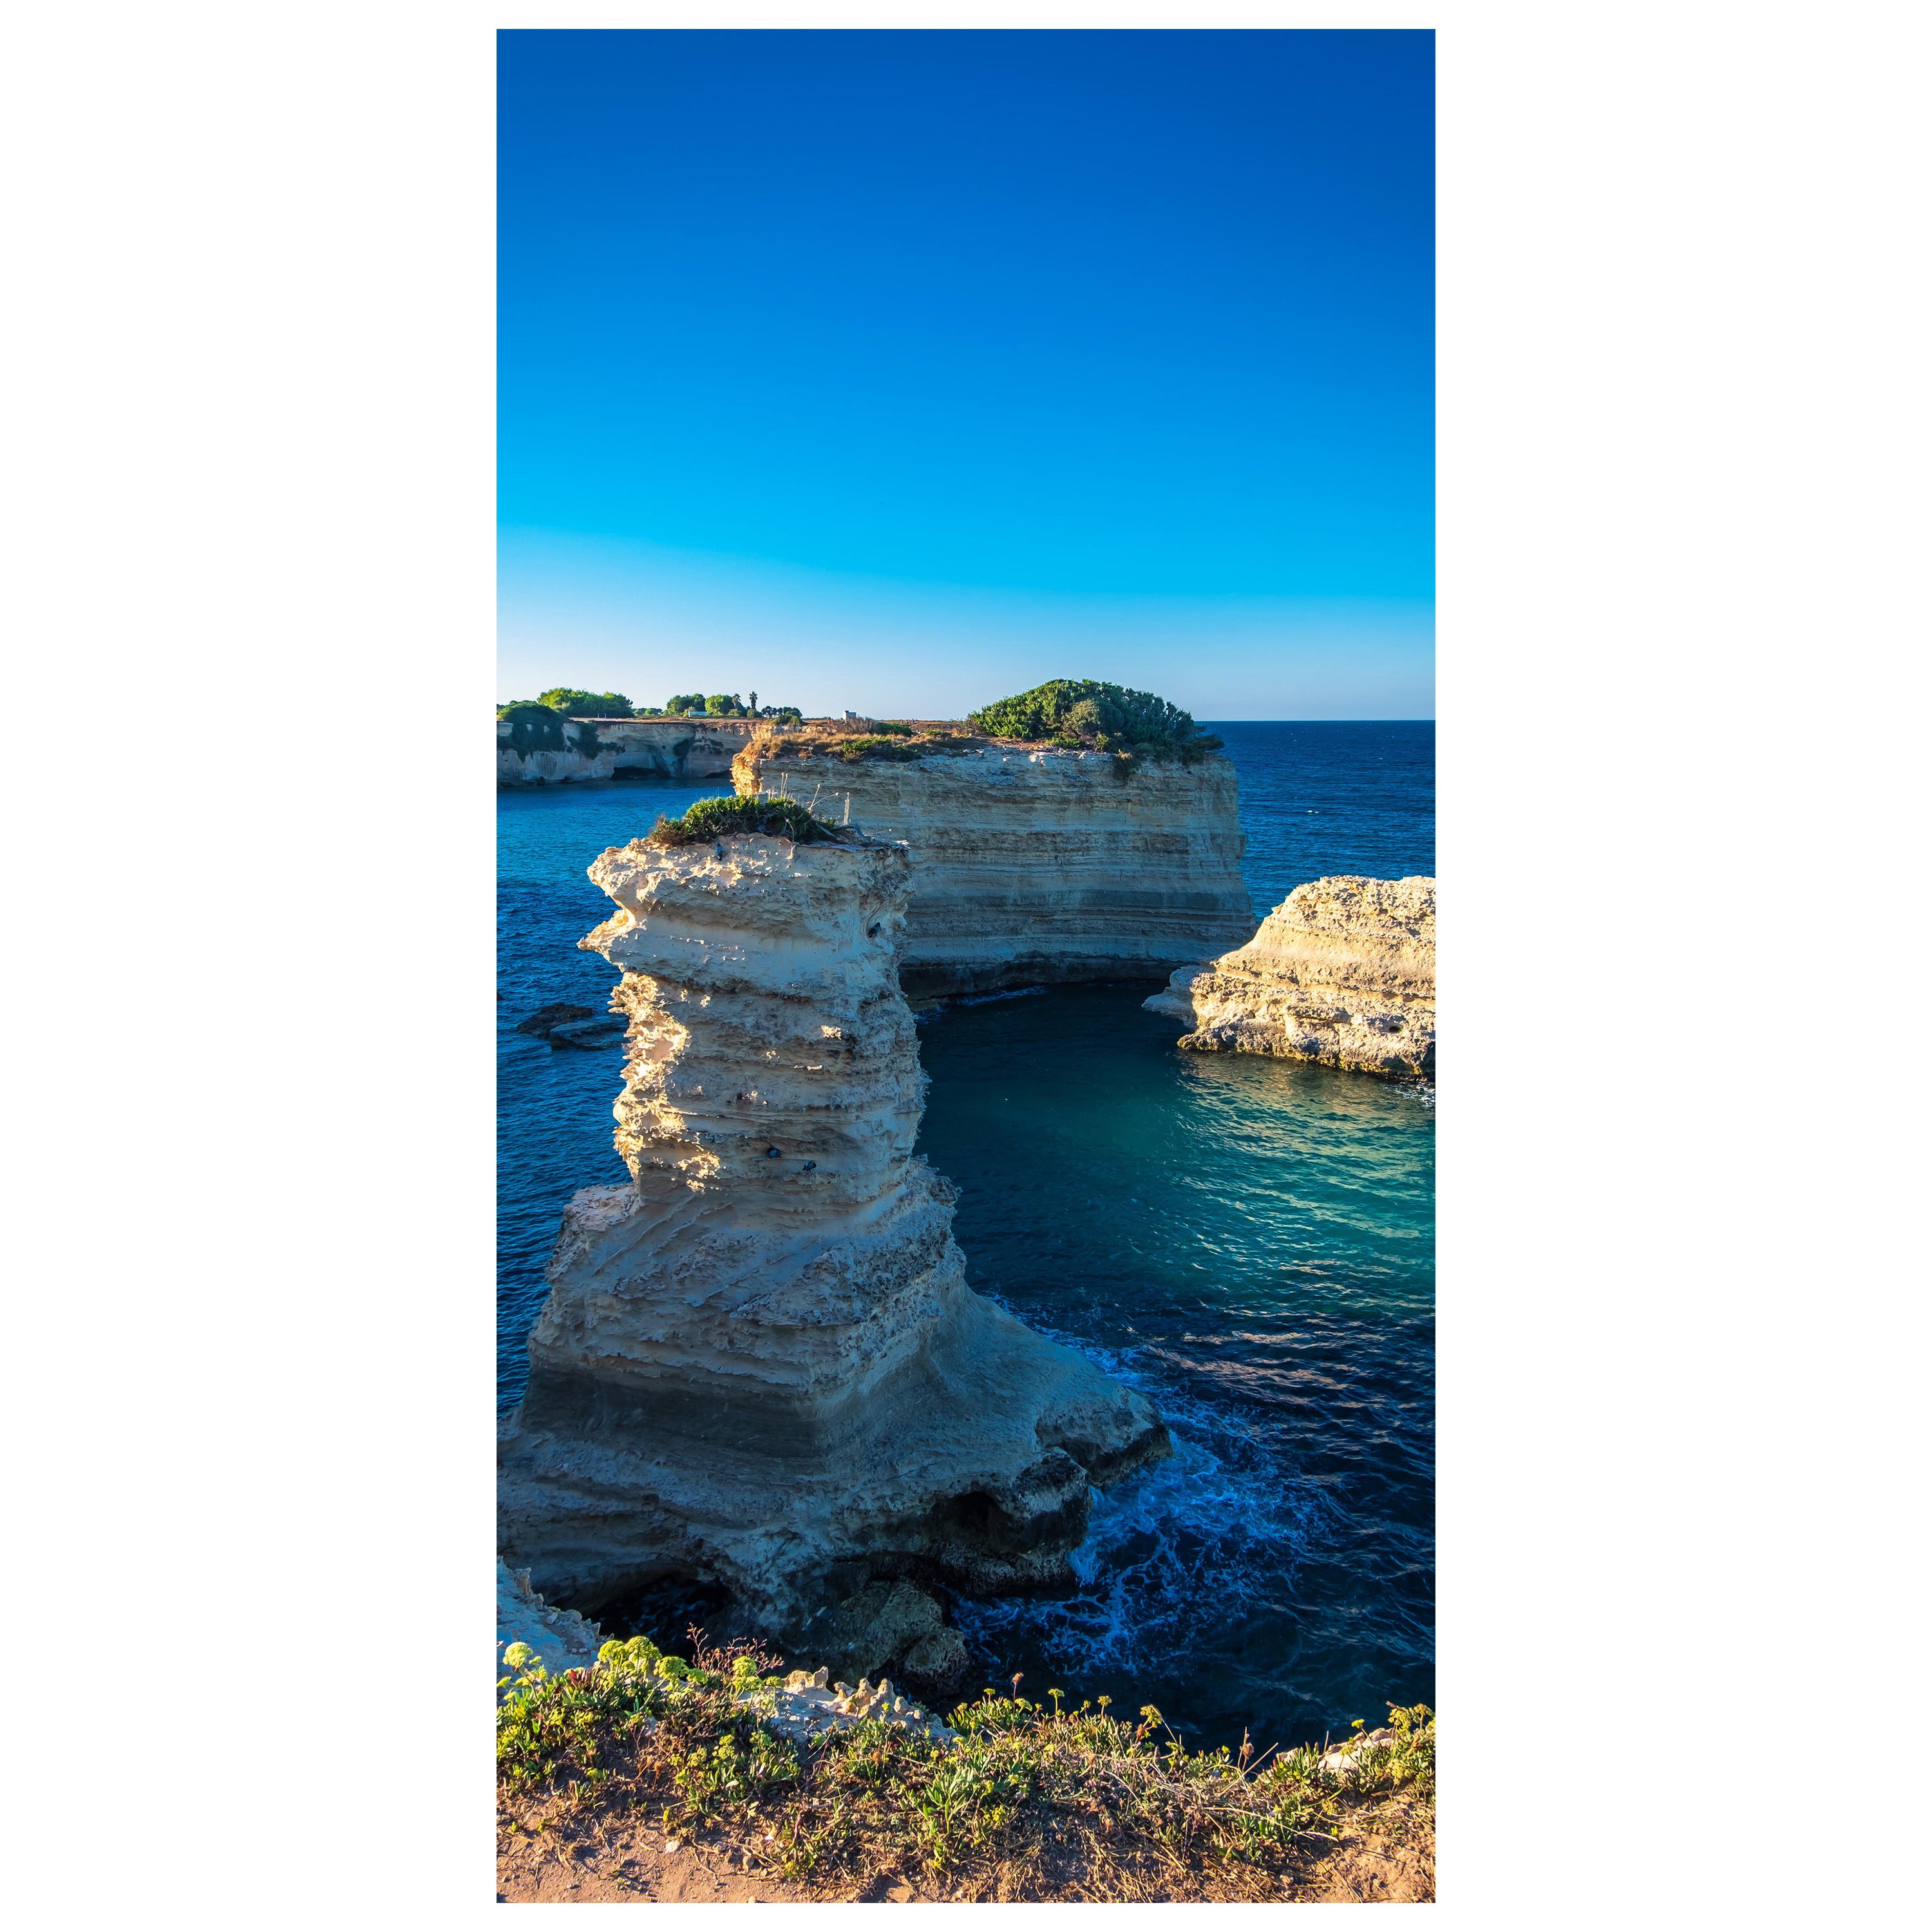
x,y
1032,864
1343,971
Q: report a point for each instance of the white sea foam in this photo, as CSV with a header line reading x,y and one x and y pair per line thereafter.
x,y
1214,1527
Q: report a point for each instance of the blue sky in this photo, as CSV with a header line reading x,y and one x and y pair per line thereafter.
x,y
898,370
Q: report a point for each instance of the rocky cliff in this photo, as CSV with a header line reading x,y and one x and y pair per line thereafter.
x,y
1343,971
696,748
759,1364
1033,865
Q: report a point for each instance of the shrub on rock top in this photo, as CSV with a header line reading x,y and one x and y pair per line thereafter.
x,y
713,818
1082,714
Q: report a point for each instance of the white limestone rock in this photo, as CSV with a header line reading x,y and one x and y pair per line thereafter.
x,y
1034,866
686,747
562,1640
1343,971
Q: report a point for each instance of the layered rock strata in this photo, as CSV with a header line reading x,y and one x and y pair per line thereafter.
x,y
693,748
1032,866
1343,971
759,1363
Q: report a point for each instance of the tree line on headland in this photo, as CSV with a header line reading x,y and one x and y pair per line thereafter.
x,y
1078,713
575,703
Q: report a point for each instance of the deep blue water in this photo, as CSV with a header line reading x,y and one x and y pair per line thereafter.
x,y
1250,1241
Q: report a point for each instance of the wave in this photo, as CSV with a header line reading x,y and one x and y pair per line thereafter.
x,y
1220,1522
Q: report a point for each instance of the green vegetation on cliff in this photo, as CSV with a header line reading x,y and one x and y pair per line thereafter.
x,y
642,1753
1079,713
577,703
714,818
725,704
859,739
540,727
587,703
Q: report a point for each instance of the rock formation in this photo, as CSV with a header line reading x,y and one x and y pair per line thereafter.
x,y
1035,865
1343,971
759,1364
683,747
561,1639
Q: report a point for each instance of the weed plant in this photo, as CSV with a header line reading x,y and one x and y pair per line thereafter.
x,y
1029,1801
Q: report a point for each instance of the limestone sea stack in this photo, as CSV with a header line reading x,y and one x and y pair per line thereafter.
x,y
1033,865
1343,971
759,1363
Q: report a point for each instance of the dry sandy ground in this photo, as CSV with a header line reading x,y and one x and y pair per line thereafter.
x,y
598,1864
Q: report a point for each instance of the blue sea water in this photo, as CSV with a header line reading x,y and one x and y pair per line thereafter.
x,y
1251,1242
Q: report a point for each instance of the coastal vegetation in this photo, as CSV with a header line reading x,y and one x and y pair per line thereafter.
x,y
587,703
1081,714
714,818
727,704
608,1769
536,726
856,740
571,702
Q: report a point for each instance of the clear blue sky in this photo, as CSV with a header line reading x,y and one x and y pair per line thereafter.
x,y
1065,350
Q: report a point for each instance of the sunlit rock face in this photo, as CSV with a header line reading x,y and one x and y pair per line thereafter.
x,y
1343,971
1031,865
760,1359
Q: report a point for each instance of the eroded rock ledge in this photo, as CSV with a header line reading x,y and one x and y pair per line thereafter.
x,y
759,1361
1343,971
1033,865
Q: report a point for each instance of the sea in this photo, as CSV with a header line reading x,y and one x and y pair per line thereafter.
x,y
1250,1242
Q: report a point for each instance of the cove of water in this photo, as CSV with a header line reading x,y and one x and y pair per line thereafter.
x,y
1249,1241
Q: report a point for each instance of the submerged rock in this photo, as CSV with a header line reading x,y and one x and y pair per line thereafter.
x,y
600,1030
755,1366
892,1626
1343,971
546,1019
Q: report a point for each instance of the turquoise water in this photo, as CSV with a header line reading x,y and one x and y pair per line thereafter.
x,y
1250,1241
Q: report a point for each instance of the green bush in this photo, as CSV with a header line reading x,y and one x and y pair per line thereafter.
x,y
1080,712
715,818
685,702
587,703
725,705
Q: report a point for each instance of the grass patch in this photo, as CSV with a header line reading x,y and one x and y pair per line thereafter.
x,y
892,740
714,818
1032,1801
878,745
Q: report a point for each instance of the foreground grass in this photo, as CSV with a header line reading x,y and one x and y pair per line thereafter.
x,y
1032,1801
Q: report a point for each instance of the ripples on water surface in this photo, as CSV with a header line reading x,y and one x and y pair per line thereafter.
x,y
1249,1241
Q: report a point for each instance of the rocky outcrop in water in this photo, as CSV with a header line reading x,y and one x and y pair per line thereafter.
x,y
1035,865
1343,971
672,748
759,1364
